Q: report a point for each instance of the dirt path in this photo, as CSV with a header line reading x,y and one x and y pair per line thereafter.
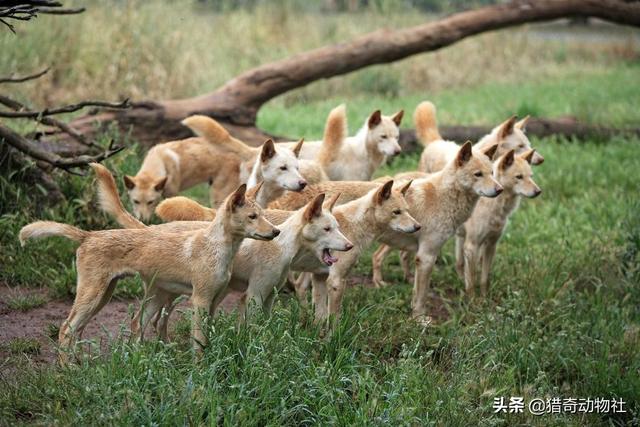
x,y
36,328
41,324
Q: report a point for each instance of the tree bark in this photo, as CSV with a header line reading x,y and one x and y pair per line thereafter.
x,y
237,102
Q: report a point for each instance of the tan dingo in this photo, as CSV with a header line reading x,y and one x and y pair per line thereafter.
x,y
200,259
437,152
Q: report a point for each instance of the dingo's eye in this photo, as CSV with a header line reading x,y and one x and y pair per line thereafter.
x,y
519,176
521,146
136,202
478,174
327,229
383,136
150,202
283,168
397,212
253,216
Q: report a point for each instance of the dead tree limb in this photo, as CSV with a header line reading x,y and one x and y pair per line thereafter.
x,y
237,102
62,110
29,148
48,121
538,127
25,10
24,78
36,152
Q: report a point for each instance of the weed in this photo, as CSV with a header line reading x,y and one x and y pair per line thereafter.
x,y
25,302
24,346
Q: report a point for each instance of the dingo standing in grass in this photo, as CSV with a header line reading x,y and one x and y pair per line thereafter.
x,y
175,166
357,157
200,259
509,135
476,240
278,166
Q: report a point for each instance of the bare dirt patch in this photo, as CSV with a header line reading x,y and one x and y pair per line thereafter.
x,y
40,325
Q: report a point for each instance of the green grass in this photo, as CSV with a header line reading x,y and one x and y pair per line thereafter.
x,y
25,302
20,346
601,96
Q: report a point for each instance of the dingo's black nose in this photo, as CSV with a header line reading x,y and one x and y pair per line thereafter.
x,y
302,184
348,247
275,232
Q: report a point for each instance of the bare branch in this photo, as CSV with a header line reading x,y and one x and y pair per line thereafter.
x,y
48,121
25,10
11,27
66,109
27,147
62,11
24,78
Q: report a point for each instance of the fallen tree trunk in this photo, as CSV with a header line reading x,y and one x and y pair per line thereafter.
x,y
567,127
237,102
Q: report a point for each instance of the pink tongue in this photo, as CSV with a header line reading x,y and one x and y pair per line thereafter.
x,y
328,259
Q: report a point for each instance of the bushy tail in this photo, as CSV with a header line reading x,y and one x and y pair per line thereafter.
x,y
335,132
426,125
214,133
183,209
110,199
40,229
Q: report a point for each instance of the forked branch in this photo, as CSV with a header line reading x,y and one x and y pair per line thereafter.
x,y
24,78
25,10
36,152
66,109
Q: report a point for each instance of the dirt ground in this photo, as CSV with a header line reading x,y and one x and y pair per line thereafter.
x,y
40,324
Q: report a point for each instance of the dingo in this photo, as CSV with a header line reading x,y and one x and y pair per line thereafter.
x,y
438,152
200,259
476,240
175,166
355,158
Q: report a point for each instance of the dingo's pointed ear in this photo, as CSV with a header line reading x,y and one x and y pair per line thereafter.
x,y
507,160
268,150
298,147
375,119
252,193
159,185
506,128
397,117
405,187
491,151
522,124
129,182
331,203
238,198
528,155
464,154
314,208
383,192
